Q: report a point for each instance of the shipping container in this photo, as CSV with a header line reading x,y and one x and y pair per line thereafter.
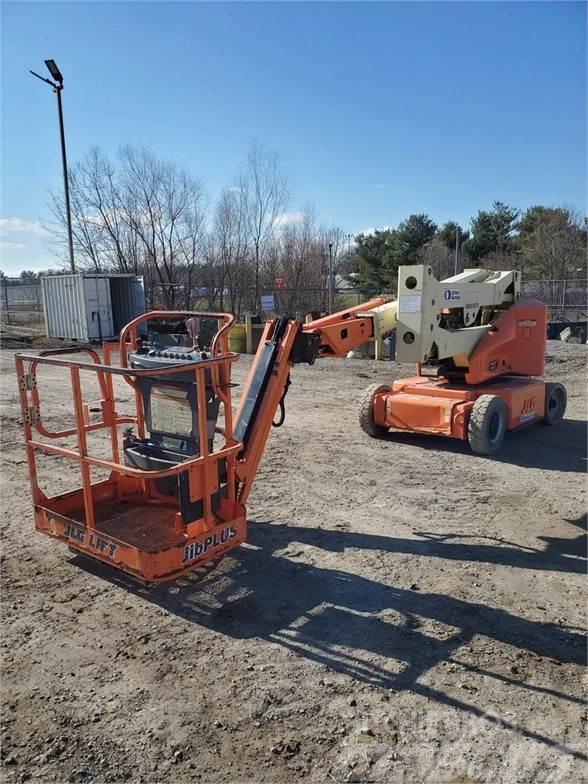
x,y
91,307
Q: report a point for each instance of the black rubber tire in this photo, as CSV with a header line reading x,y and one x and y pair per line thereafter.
x,y
366,412
556,400
487,425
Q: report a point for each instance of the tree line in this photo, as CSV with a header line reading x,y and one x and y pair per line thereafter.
x,y
141,214
138,213
545,243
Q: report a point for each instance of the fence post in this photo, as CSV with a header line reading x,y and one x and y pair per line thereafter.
x,y
6,301
39,306
248,333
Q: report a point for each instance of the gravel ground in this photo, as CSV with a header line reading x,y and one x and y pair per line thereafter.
x,y
403,611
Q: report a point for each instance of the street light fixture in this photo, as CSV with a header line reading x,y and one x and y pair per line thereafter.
x,y
57,86
54,70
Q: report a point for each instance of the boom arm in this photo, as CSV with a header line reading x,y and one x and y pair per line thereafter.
x,y
438,322
285,342
343,331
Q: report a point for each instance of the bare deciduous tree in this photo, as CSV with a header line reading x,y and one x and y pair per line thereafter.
x,y
144,215
437,255
556,247
232,241
265,189
102,237
164,208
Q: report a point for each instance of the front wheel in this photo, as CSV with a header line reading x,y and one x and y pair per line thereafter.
x,y
366,411
487,425
555,403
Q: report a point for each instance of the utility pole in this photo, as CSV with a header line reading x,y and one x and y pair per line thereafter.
x,y
456,248
57,86
330,277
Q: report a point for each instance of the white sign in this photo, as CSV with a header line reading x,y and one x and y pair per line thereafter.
x,y
409,303
267,303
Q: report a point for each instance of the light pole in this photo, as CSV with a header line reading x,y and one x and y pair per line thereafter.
x,y
57,86
456,248
330,277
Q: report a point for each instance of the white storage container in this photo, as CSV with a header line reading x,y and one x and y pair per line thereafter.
x,y
91,306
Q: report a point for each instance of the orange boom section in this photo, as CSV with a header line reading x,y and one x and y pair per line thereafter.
x,y
344,331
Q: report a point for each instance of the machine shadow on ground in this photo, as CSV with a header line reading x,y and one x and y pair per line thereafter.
x,y
559,448
372,632
560,554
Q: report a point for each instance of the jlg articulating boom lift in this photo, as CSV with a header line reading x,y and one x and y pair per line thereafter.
x,y
175,495
478,350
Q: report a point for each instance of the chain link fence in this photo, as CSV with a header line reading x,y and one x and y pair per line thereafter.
x,y
21,301
280,301
565,299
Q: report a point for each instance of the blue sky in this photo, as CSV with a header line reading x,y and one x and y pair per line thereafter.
x,y
379,109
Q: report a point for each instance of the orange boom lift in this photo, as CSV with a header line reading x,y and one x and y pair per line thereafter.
x,y
479,350
177,487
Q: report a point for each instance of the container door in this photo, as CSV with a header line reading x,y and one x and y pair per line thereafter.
x,y
63,302
128,300
98,308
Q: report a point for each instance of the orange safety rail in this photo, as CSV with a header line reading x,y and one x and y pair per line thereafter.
x,y
220,342
35,392
81,518
220,345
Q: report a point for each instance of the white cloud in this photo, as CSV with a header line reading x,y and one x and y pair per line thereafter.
x,y
284,218
21,226
14,246
380,186
23,246
374,229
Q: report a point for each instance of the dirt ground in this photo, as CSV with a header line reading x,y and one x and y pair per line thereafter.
x,y
403,611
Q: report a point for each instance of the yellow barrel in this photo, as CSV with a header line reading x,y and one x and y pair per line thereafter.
x,y
237,339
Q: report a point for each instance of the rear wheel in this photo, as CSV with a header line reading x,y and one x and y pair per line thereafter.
x,y
366,411
487,425
555,403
